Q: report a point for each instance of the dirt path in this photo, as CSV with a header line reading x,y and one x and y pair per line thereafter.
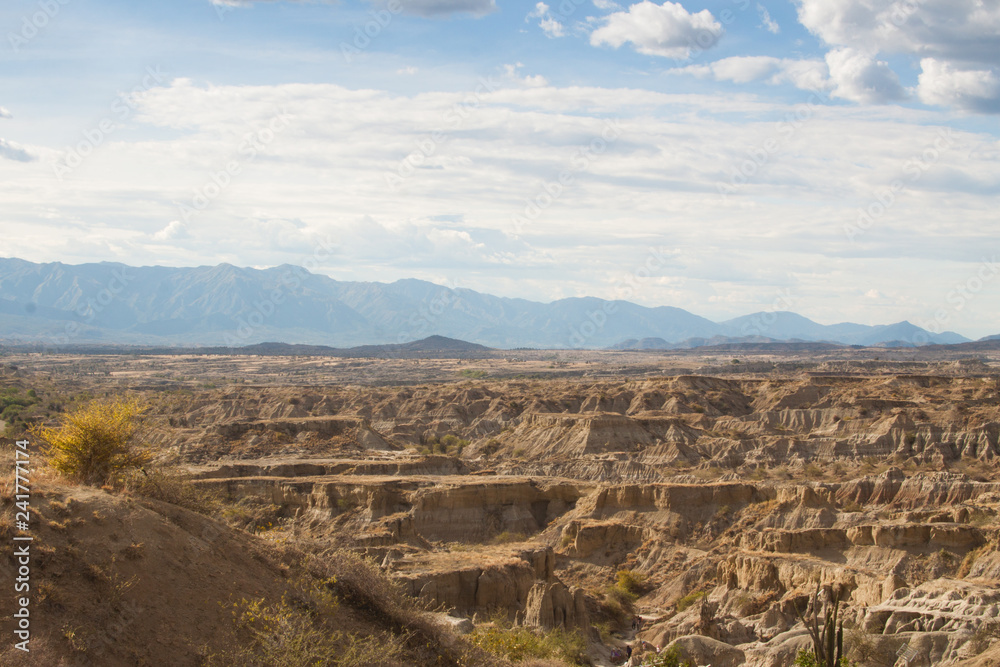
x,y
628,638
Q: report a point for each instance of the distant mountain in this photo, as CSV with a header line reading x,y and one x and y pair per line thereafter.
x,y
430,347
661,344
59,305
790,326
986,338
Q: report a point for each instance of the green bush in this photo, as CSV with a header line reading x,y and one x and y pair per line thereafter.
x,y
668,657
508,537
99,443
630,581
808,659
689,599
521,643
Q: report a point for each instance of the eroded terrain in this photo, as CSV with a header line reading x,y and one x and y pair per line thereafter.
x,y
727,497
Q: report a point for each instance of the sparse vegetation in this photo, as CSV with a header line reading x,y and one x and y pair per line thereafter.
x,y
100,443
691,598
518,643
286,635
984,635
668,657
15,404
508,537
631,582
701,525
821,617
869,649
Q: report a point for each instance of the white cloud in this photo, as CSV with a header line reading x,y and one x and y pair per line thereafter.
x,y
859,77
666,30
4,113
15,152
959,29
548,23
959,37
174,230
513,73
656,185
738,69
942,84
804,74
606,5
409,71
552,27
767,22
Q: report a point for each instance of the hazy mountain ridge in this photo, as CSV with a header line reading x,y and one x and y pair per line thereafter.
x,y
232,306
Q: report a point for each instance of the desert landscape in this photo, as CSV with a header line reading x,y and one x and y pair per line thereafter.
x,y
700,507
484,333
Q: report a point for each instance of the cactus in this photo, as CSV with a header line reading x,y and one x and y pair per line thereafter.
x,y
821,618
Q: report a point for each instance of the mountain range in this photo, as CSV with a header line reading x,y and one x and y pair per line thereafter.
x,y
57,304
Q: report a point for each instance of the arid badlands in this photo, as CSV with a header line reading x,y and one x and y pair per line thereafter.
x,y
536,508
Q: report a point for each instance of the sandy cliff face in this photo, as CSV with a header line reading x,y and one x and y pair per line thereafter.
x,y
739,494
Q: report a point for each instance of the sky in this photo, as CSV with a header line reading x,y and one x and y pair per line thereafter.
x,y
836,158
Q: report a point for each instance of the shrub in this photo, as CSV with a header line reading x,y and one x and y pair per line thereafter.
x,y
284,635
99,443
689,600
508,537
812,470
521,643
808,659
491,448
983,636
871,649
630,581
618,604
169,484
669,657
452,444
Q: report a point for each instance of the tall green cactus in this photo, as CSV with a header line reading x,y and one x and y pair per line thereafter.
x,y
821,618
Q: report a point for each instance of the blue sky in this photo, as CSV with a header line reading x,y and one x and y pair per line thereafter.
x,y
838,158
